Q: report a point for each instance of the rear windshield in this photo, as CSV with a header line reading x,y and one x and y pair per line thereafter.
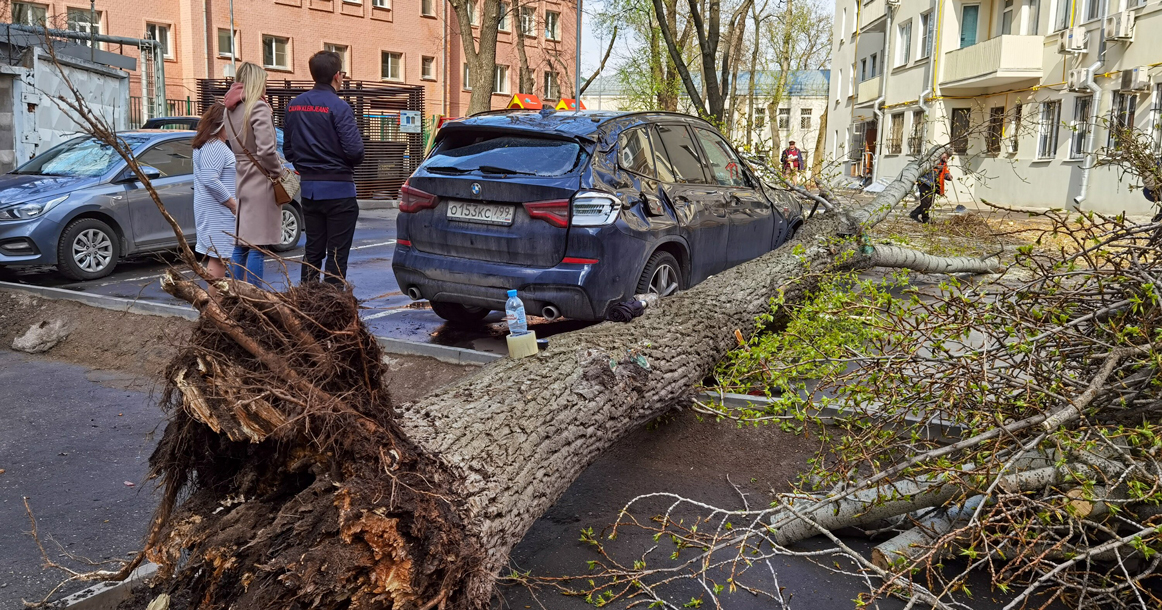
x,y
503,154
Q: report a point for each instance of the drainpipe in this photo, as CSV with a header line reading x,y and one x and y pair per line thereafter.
x,y
1094,88
890,9
207,23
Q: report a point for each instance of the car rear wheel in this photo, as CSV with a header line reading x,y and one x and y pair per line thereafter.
x,y
292,228
88,249
662,275
463,315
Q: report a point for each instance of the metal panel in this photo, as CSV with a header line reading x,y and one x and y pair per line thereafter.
x,y
391,156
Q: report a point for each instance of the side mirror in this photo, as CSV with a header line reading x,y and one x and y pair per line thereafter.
x,y
150,172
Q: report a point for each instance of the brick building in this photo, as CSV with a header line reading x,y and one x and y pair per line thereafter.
x,y
414,42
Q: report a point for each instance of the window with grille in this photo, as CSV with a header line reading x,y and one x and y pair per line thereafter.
x,y
27,13
784,115
996,130
1122,119
961,123
760,118
805,118
896,134
81,20
1082,107
1156,119
1015,134
1047,130
274,52
916,138
391,66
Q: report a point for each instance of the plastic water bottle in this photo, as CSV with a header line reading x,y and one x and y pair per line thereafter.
x,y
514,314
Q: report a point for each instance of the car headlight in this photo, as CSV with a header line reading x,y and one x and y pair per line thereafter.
x,y
30,209
591,209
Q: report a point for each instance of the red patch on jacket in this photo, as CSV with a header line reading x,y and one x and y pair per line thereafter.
x,y
302,108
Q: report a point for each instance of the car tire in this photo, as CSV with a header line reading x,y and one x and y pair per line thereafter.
x,y
291,228
662,275
88,249
461,315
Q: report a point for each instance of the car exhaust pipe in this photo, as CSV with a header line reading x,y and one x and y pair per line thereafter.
x,y
414,294
550,313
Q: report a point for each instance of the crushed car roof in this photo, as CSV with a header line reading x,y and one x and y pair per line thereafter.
x,y
584,124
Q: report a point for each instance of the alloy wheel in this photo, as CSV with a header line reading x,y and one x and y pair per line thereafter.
x,y
92,250
290,226
664,281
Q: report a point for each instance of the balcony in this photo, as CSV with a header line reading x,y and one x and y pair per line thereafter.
x,y
870,13
868,90
998,61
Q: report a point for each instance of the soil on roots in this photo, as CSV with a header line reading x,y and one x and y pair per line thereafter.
x,y
297,487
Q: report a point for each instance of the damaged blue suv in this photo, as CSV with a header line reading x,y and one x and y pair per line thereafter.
x,y
578,211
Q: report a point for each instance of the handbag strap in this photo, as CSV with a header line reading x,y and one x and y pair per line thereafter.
x,y
245,150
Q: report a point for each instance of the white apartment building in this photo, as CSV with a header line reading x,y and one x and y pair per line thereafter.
x,y
1025,89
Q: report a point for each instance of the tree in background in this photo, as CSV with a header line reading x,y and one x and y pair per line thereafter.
x,y
480,57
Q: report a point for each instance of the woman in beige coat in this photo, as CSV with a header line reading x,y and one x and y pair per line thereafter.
x,y
249,129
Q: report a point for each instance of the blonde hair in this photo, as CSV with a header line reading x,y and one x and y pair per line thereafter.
x,y
253,79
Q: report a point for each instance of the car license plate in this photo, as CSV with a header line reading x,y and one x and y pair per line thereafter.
x,y
487,213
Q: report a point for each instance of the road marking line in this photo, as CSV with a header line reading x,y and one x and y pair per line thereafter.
x,y
384,314
382,243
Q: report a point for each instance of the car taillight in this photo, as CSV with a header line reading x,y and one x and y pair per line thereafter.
x,y
412,200
555,213
591,209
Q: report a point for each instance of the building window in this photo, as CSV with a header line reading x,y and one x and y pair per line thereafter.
x,y
1093,9
843,25
896,134
904,43
1034,17
391,66
916,138
528,21
387,4
428,68
27,13
996,130
1007,18
1156,119
784,116
274,52
1064,14
427,8
552,88
1122,119
863,69
961,122
502,24
160,33
341,50
467,83
500,80
760,118
1082,106
552,25
226,43
969,21
472,13
81,20
805,118
1047,131
926,23
872,64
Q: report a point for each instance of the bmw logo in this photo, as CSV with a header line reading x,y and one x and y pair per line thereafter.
x,y
476,189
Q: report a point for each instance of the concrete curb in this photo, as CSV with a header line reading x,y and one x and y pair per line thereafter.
x,y
443,353
937,429
107,595
106,302
378,204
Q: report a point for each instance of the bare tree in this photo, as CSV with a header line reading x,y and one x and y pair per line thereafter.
x,y
480,56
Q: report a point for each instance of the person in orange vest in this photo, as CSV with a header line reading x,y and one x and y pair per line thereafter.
x,y
792,162
931,184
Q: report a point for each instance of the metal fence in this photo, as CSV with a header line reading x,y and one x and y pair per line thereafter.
x,y
391,155
173,107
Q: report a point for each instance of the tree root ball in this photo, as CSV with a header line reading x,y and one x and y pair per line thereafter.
x,y
287,481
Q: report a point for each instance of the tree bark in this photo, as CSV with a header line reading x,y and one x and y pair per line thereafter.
x,y
526,81
481,58
820,144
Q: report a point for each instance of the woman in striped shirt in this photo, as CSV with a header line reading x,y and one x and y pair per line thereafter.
x,y
214,184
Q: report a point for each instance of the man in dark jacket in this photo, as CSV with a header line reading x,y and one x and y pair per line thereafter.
x,y
931,184
322,141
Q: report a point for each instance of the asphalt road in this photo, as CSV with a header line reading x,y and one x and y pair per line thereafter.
x,y
388,312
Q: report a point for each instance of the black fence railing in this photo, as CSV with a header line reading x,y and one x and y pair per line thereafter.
x,y
392,155
173,107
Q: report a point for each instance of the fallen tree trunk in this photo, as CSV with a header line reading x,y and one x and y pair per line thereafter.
x,y
308,490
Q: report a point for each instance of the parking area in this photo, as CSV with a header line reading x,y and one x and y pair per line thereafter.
x,y
388,312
